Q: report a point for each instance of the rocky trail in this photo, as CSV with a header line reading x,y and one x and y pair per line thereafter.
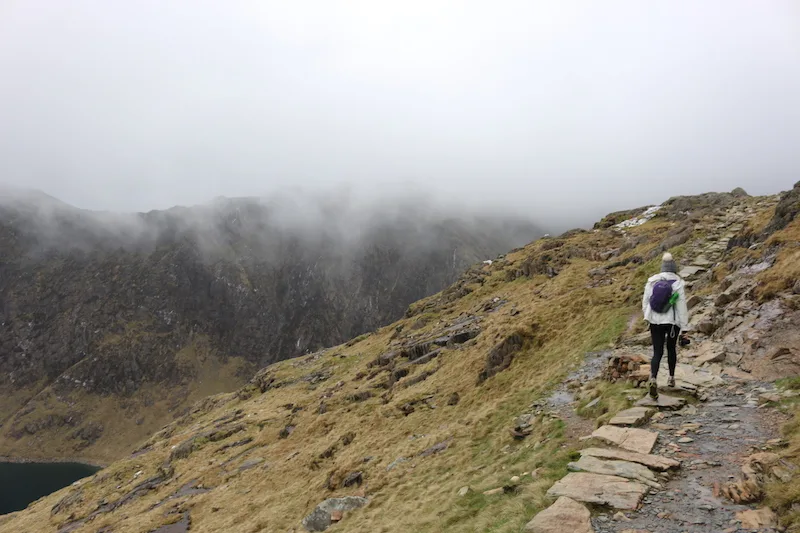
x,y
677,466
711,439
697,459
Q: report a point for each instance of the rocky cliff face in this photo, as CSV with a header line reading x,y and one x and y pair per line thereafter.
x,y
112,324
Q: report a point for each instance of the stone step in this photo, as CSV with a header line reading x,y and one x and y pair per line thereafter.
x,y
635,416
635,440
599,489
690,271
654,462
663,402
564,515
687,376
628,470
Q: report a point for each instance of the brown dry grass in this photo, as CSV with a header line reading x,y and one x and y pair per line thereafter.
x,y
783,497
787,270
144,414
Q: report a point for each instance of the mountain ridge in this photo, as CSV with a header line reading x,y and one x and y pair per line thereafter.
x,y
143,314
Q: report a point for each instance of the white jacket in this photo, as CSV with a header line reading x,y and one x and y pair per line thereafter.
x,y
680,315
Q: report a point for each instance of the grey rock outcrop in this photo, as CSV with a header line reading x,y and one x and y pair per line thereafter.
x,y
320,517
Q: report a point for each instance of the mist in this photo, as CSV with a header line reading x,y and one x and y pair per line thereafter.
x,y
559,112
263,229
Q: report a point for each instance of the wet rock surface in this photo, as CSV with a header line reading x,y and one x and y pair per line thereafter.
x,y
724,431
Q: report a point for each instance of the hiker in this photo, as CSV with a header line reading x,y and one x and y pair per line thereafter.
x,y
664,307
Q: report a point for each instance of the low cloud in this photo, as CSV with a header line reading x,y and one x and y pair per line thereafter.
x,y
557,112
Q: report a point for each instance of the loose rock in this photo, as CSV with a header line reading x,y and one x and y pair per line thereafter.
x,y
320,518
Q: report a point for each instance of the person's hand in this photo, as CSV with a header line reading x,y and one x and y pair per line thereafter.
x,y
683,340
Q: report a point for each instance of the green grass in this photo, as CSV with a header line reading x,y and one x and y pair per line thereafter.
x,y
613,399
616,325
792,383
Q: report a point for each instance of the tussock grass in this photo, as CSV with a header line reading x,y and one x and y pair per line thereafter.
x,y
784,497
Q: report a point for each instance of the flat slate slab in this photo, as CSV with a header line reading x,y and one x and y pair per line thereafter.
x,y
663,402
690,374
690,271
625,469
635,416
635,440
654,462
600,489
702,261
564,515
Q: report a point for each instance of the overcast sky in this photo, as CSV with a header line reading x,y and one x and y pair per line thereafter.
x,y
568,106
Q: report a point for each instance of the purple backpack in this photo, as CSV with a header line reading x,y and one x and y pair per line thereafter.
x,y
662,292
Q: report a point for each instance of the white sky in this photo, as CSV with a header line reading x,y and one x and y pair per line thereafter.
x,y
562,109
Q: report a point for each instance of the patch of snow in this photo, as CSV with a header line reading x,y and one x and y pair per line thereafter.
x,y
649,213
488,262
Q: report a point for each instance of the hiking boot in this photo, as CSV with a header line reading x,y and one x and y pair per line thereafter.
x,y
671,382
653,388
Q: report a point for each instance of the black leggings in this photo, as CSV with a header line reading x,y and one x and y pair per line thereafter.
x,y
659,333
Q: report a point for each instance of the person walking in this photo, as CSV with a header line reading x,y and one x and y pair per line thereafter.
x,y
664,307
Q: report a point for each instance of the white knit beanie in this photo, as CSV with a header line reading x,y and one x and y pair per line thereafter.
x,y
668,263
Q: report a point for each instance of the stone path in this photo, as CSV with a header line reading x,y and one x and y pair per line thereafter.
x,y
666,463
717,435
697,448
635,416
634,440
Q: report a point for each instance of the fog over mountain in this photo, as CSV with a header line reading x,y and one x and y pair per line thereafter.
x,y
561,110
104,313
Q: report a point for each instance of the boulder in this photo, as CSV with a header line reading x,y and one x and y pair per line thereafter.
x,y
564,515
635,440
654,462
320,518
599,489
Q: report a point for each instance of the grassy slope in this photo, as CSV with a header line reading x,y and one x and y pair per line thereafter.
x,y
561,319
149,410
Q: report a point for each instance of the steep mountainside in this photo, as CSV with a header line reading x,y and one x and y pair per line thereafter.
x,y
112,325
453,419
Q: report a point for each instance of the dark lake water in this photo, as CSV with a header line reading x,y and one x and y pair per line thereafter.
x,y
23,483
